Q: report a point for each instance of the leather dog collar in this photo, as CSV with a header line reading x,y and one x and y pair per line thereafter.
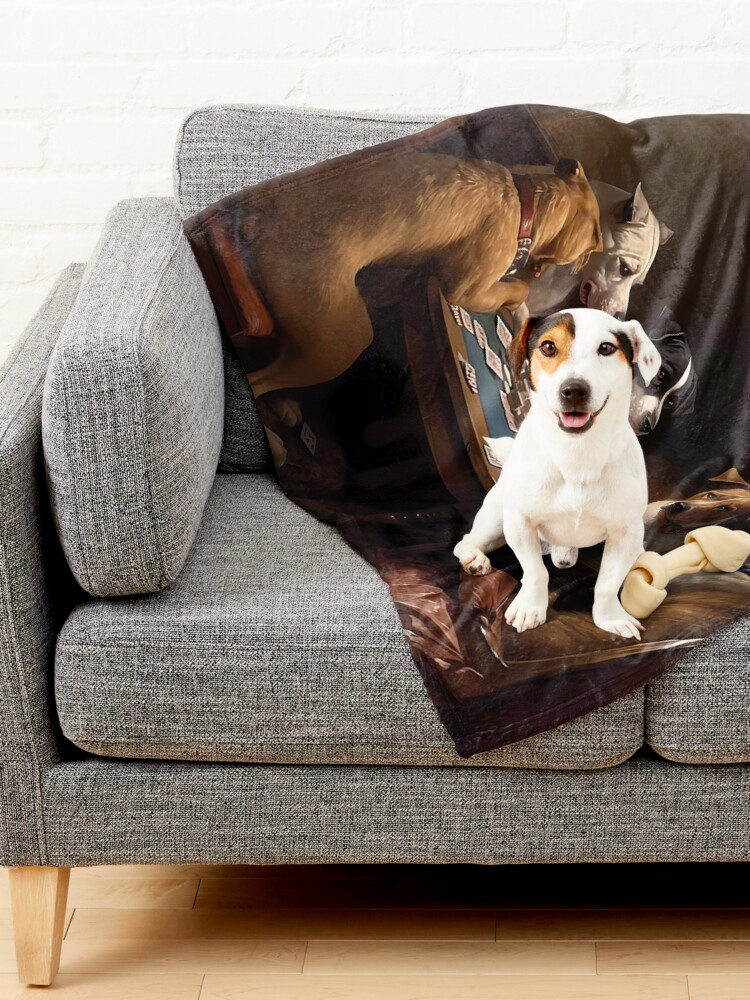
x,y
525,189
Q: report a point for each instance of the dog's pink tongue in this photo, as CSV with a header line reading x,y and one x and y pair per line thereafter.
x,y
574,419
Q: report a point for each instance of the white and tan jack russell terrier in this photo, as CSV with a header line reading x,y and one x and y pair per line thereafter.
x,y
574,475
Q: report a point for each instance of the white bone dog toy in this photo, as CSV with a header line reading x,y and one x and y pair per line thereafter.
x,y
712,549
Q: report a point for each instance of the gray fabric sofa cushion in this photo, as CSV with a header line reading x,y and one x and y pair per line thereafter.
x,y
698,712
245,445
277,643
224,148
133,405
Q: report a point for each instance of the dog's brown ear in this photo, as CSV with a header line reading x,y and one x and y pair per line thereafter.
x,y
518,351
731,476
580,262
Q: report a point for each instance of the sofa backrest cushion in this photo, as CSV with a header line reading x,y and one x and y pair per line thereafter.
x,y
224,148
133,406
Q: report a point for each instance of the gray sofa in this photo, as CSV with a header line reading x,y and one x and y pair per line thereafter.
x,y
240,690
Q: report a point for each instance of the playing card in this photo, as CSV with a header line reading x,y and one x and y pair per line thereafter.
x,y
503,333
493,362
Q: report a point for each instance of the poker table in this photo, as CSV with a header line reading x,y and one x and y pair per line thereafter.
x,y
478,397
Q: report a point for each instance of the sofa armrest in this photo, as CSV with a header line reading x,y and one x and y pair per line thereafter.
x,y
133,406
36,589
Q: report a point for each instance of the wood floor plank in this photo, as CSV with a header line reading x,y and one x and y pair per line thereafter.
x,y
135,893
450,958
105,891
372,932
8,951
719,987
623,925
672,957
444,988
6,923
302,924
127,956
7,957
108,987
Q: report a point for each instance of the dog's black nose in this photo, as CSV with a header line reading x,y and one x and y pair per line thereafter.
x,y
575,393
646,427
620,314
677,507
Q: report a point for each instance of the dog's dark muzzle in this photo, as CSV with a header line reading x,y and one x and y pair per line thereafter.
x,y
575,394
678,507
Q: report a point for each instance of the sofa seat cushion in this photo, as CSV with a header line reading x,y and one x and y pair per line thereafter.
x,y
277,643
698,712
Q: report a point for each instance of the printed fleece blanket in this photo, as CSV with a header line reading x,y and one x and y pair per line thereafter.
x,y
373,299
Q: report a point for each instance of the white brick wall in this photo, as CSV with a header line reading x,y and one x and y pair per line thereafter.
x,y
92,91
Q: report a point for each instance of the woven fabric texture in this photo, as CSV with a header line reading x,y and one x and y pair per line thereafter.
x,y
36,590
223,148
277,643
245,445
698,712
114,812
133,405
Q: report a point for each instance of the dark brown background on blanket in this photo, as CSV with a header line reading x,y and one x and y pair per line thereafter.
x,y
388,451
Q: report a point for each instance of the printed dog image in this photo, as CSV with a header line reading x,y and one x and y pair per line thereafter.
x,y
673,388
575,474
631,235
727,503
456,218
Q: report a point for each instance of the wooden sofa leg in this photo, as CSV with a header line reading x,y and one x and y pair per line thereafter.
x,y
38,897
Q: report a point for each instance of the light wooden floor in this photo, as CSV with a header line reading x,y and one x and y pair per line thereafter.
x,y
459,932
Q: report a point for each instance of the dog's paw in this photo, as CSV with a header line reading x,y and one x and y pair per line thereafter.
x,y
612,617
563,557
476,563
527,610
471,557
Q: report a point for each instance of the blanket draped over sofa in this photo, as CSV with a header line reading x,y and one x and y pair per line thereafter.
x,y
372,300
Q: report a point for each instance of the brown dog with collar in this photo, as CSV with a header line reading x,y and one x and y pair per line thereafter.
x,y
300,244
